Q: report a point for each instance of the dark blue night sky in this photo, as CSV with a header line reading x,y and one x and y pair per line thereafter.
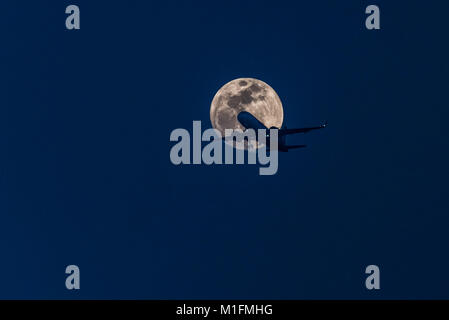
x,y
86,177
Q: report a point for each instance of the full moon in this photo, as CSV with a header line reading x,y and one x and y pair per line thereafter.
x,y
245,94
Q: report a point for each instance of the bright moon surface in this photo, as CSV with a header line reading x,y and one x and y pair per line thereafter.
x,y
245,94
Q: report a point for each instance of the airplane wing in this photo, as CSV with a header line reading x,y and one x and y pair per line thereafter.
x,y
296,146
283,132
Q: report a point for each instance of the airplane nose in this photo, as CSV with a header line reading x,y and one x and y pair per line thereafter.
x,y
241,117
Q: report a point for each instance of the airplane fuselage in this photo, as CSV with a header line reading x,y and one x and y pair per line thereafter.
x,y
250,122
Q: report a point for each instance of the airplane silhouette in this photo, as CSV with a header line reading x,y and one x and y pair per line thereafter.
x,y
250,122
